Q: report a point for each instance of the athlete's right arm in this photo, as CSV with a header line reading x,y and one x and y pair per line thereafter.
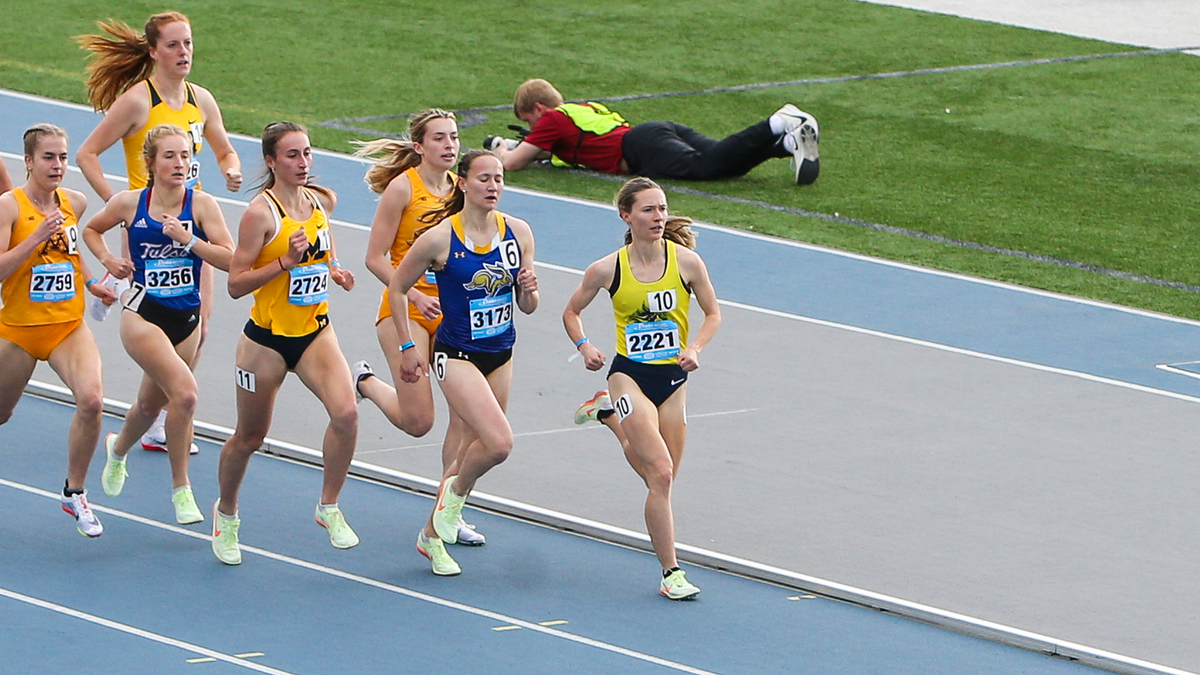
x,y
253,233
120,208
427,251
598,275
395,198
11,259
127,114
5,181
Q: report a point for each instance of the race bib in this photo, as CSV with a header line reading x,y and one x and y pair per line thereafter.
x,y
192,180
52,282
169,277
308,284
431,277
490,316
652,341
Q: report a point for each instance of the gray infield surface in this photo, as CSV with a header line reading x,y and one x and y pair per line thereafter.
x,y
1029,498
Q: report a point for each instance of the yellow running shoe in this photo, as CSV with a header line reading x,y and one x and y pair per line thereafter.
x,y
676,586
112,479
225,537
435,550
186,511
340,534
448,511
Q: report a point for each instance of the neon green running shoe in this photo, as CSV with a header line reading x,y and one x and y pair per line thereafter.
x,y
340,534
186,511
590,410
676,586
225,537
435,550
447,512
112,479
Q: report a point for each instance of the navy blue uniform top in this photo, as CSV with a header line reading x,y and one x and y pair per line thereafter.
x,y
170,275
477,291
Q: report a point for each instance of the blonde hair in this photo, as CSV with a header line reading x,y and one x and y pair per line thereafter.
x,y
123,59
677,228
154,138
535,91
35,134
398,155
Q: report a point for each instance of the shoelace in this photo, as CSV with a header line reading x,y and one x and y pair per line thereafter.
x,y
84,512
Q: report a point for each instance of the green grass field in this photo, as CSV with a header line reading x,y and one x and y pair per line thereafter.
x,y
1090,161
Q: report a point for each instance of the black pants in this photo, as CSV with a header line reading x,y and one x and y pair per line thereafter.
x,y
672,150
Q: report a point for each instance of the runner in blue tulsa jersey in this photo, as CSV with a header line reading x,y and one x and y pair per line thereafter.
x,y
172,229
483,260
651,280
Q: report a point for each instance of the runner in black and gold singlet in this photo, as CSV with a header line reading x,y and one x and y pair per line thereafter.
x,y
650,280
133,102
286,257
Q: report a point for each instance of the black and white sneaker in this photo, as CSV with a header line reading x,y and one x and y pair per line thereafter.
x,y
802,141
360,371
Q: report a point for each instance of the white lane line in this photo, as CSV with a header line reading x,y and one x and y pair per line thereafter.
x,y
138,632
547,432
1170,368
374,583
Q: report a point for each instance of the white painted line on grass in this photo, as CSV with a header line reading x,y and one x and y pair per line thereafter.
x,y
138,632
366,581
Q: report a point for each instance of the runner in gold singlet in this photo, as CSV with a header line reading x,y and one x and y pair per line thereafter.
x,y
286,257
42,280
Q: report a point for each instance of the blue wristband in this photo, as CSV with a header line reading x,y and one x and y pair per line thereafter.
x,y
188,247
407,346
581,341
334,263
91,281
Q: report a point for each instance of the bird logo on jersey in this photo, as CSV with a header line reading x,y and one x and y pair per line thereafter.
x,y
493,278
644,315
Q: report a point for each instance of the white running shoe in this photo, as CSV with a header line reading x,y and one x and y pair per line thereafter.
x,y
803,142
87,522
359,372
467,536
155,437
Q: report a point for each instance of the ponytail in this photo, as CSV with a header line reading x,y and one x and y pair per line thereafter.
x,y
458,198
398,155
122,60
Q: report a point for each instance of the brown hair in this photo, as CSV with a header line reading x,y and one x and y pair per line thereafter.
x,y
457,199
123,59
535,91
270,140
35,134
677,228
398,155
154,138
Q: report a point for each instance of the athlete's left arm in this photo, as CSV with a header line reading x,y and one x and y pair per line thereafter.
x,y
5,181
695,275
218,250
340,275
218,139
527,286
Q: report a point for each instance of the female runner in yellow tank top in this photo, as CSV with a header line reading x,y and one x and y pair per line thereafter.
x,y
41,286
650,280
414,178
139,82
285,255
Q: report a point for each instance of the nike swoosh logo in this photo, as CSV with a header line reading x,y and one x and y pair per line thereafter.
x,y
675,382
